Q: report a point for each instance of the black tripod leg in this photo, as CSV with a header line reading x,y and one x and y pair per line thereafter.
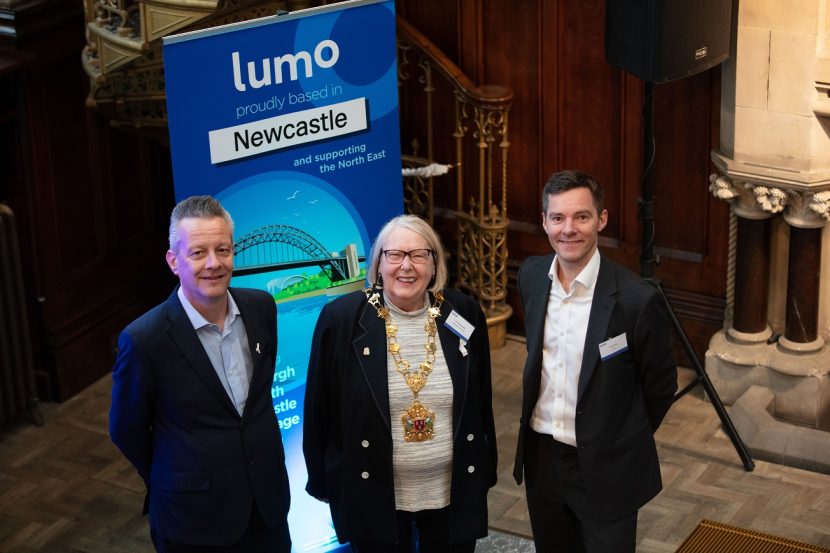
x,y
689,387
648,261
703,378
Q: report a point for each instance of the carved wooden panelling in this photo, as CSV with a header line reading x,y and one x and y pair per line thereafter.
x,y
92,203
573,110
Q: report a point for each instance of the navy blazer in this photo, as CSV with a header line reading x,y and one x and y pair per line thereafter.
x,y
203,464
347,432
620,401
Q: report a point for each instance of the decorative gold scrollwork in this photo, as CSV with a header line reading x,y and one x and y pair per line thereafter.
x,y
479,139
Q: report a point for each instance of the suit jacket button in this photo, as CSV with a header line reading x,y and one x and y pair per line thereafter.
x,y
250,460
364,475
470,437
365,443
471,469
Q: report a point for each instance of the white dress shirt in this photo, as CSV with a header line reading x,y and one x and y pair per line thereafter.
x,y
566,324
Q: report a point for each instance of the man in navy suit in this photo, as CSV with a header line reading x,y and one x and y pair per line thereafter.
x,y
191,402
598,380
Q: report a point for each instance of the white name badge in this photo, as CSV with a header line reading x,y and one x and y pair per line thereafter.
x,y
459,326
613,347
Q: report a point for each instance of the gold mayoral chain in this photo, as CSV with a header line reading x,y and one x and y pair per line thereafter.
x,y
418,421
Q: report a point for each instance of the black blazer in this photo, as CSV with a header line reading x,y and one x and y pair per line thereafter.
x,y
202,463
347,406
621,401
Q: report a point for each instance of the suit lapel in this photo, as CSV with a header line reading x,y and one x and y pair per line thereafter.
x,y
457,364
536,305
601,308
536,294
370,350
184,336
259,343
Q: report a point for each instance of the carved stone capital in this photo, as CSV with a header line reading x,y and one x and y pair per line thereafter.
x,y
748,200
806,209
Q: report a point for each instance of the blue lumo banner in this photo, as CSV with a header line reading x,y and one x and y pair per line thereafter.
x,y
291,121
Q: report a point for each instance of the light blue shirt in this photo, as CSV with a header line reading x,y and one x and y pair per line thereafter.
x,y
227,349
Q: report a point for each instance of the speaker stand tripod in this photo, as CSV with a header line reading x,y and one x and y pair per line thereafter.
x,y
647,263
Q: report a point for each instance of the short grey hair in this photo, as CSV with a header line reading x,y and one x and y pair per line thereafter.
x,y
195,207
422,229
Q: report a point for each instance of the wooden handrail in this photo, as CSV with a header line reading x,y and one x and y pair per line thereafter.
x,y
488,94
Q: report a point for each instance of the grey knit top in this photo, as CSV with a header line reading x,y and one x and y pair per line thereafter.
x,y
422,470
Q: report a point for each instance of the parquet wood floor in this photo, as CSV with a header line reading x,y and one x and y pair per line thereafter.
x,y
702,474
64,488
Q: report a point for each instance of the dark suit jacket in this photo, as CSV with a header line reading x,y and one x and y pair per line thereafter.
x,y
347,402
202,463
620,401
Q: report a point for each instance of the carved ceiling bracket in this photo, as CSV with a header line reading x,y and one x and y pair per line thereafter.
x,y
807,209
800,208
747,201
757,191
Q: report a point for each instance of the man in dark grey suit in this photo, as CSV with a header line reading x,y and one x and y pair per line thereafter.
x,y
598,381
191,402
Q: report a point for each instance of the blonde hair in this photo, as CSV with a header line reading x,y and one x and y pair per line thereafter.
x,y
422,229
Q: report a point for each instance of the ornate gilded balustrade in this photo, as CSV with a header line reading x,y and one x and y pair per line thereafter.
x,y
123,52
116,16
477,145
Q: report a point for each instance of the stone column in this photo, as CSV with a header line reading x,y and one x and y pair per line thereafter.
x,y
803,275
774,155
751,281
750,277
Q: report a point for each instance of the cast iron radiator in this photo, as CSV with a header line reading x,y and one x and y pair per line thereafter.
x,y
18,394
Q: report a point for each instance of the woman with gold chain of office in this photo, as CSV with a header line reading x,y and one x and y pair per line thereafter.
x,y
398,430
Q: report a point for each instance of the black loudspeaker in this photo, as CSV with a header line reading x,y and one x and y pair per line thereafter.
x,y
665,40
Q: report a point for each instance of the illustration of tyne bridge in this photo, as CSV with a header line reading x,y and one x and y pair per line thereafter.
x,y
281,247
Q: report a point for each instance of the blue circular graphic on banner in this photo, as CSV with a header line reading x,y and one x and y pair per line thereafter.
x,y
365,69
377,61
